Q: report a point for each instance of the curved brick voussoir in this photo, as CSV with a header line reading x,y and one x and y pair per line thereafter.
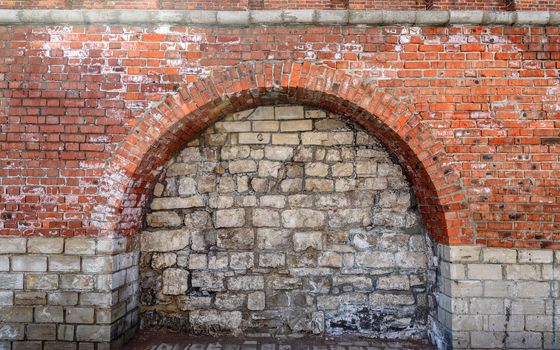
x,y
131,173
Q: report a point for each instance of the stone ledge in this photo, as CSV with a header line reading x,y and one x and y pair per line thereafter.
x,y
279,17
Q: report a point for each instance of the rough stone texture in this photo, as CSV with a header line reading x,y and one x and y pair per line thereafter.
x,y
61,293
276,248
496,298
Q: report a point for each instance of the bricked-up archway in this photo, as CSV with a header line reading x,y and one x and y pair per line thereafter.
x,y
131,172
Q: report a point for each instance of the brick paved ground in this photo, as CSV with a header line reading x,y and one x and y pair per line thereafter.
x,y
152,341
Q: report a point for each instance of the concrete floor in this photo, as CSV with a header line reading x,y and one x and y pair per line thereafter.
x,y
158,341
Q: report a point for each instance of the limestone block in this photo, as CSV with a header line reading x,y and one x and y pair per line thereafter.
x,y
64,263
29,263
17,314
49,314
241,261
386,299
273,238
484,271
498,288
229,301
206,183
315,114
393,282
164,241
229,218
41,331
245,283
524,340
278,153
486,306
332,302
205,320
502,323
65,332
266,218
242,238
272,259
343,217
285,139
163,219
41,281
188,303
208,280
268,125
269,168
375,259
44,245
217,260
533,289
303,218
467,322
316,169
366,168
93,333
177,203
319,185
296,125
6,298
198,261
97,264
466,253
330,259
261,113
227,184
273,201
76,282
242,166
237,126
342,169
254,138
256,301
63,298
487,340
288,112
12,245
163,260
327,138
540,256
344,185
220,202
80,246
305,240
499,255
181,169
523,272
175,281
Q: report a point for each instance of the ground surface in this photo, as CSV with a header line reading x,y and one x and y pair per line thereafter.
x,y
161,341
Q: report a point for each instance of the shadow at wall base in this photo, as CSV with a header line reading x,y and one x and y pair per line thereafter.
x,y
81,293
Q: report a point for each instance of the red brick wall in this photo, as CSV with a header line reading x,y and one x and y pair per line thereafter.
x,y
526,5
488,95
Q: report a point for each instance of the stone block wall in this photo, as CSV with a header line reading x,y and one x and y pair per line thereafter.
x,y
284,220
67,293
497,298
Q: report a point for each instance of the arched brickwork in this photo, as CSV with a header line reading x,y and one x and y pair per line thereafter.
x,y
131,172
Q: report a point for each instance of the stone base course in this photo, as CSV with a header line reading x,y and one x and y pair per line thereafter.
x,y
496,298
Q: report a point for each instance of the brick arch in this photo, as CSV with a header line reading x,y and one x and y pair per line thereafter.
x,y
132,171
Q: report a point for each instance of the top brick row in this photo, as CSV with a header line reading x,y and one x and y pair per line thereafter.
x,y
491,5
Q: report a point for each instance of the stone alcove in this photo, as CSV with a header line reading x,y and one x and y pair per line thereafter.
x,y
282,220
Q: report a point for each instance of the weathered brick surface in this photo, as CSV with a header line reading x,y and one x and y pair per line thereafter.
x,y
485,105
291,259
